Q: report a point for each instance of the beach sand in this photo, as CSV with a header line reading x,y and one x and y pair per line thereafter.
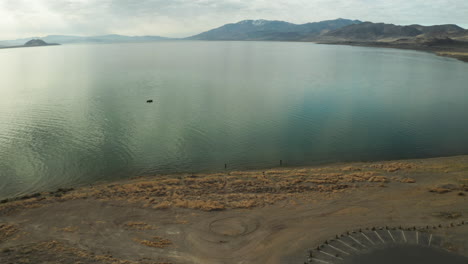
x,y
264,216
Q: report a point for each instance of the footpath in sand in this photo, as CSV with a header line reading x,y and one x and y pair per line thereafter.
x,y
270,216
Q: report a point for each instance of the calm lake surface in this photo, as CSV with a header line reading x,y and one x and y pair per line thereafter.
x,y
77,114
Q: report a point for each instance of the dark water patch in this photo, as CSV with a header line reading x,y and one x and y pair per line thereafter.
x,y
407,254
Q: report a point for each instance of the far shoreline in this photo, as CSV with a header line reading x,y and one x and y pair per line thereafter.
x,y
460,54
22,46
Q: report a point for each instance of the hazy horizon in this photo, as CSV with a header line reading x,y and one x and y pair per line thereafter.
x,y
175,38
183,18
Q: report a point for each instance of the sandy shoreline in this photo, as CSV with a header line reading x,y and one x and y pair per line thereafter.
x,y
262,216
456,52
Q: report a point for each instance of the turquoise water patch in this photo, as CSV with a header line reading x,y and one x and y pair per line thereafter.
x,y
77,114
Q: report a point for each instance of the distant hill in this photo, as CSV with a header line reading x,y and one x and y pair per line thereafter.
x,y
31,43
272,30
62,39
444,40
440,29
373,31
37,42
369,31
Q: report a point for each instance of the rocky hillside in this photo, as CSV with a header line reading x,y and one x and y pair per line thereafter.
x,y
36,42
30,43
369,31
272,30
444,40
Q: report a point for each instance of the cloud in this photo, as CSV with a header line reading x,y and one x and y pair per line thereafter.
x,y
178,18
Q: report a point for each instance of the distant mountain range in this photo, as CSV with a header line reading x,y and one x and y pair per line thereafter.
x,y
330,30
369,31
79,39
444,40
447,40
272,30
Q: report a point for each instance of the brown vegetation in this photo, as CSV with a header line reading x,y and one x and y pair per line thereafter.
x,y
394,166
12,206
446,188
139,226
56,252
156,242
70,229
439,190
7,231
405,180
219,191
123,218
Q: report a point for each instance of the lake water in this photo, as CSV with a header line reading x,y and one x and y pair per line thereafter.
x,y
77,114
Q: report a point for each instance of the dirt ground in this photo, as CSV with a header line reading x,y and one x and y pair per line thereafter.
x,y
270,216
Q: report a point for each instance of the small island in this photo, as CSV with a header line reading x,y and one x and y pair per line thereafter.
x,y
31,43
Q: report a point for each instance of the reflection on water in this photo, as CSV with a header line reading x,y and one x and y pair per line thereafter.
x,y
77,114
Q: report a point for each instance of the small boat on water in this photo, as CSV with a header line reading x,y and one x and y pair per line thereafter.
x,y
149,101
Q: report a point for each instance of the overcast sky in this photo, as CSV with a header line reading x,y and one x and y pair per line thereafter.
x,y
180,18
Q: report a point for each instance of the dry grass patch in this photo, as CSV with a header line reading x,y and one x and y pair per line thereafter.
x,y
445,188
70,229
181,221
208,205
56,252
439,190
163,205
275,172
295,174
244,173
7,231
13,206
237,189
394,166
406,180
350,168
378,179
155,242
244,204
323,180
331,174
362,176
139,226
